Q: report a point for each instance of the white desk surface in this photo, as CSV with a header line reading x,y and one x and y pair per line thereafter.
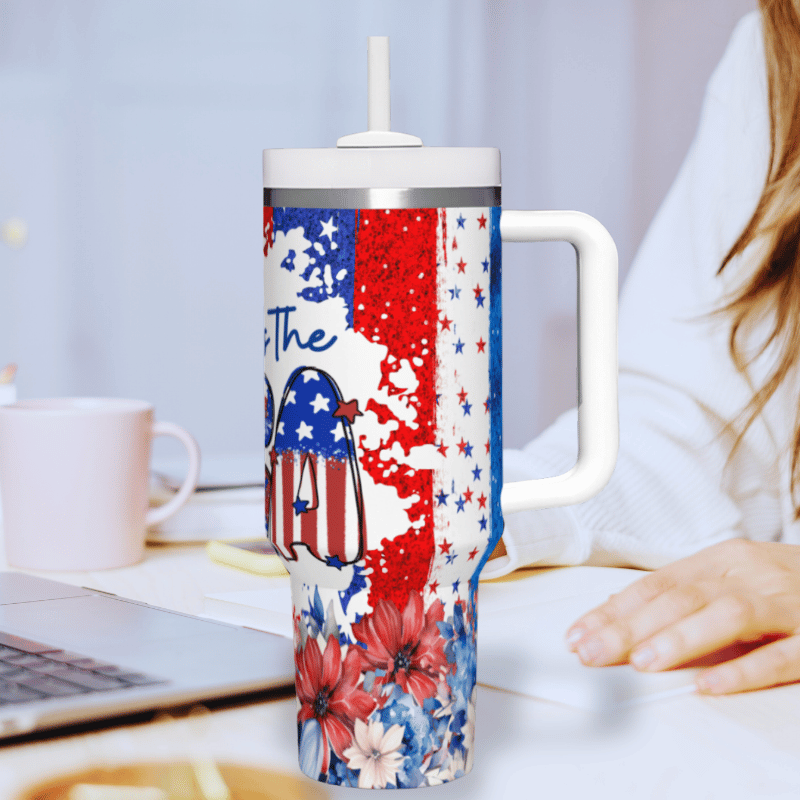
x,y
744,746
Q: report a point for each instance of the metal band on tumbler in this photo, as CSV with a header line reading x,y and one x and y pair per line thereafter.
x,y
439,197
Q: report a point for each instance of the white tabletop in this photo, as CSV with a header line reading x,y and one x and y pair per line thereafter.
x,y
744,746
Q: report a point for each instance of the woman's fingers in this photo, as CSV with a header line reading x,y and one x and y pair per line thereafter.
x,y
613,642
618,606
778,662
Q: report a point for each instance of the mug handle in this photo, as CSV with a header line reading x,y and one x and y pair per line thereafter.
x,y
156,515
598,416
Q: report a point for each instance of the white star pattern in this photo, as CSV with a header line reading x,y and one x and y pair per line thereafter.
x,y
328,228
280,427
320,403
290,397
305,431
338,433
310,375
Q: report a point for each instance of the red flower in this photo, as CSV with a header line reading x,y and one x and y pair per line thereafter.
x,y
328,691
409,647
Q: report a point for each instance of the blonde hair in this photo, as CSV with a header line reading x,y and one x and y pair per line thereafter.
x,y
773,291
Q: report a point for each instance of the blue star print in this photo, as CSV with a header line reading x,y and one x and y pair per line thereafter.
x,y
467,408
485,265
460,503
451,558
455,586
300,506
483,522
476,473
459,346
442,498
468,450
479,300
454,292
333,561
460,221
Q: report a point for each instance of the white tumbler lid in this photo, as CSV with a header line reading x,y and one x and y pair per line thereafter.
x,y
380,158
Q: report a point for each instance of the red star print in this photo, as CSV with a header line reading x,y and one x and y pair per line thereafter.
x,y
482,501
434,586
455,244
472,554
461,265
446,323
347,409
445,546
442,448
481,221
481,345
462,446
468,495
462,396
477,290
488,447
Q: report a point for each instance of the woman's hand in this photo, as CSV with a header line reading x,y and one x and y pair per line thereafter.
x,y
728,595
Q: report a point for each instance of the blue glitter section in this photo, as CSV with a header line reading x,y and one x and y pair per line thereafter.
x,y
338,281
495,384
306,390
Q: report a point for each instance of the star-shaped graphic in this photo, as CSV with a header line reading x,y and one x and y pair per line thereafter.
x,y
459,346
472,554
280,427
442,498
468,450
460,504
333,561
290,397
467,408
438,395
488,446
445,546
485,265
479,301
454,292
476,474
482,500
433,586
446,323
487,405
338,433
320,403
461,265
479,298
483,522
348,409
460,221
481,345
455,586
468,495
310,375
304,431
462,446
451,558
442,448
462,396
481,221
328,228
300,506
455,244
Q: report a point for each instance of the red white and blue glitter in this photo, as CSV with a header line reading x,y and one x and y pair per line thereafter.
x,y
382,352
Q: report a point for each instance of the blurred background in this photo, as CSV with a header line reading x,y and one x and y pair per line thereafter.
x,y
130,170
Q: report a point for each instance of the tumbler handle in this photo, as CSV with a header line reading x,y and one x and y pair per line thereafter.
x,y
598,417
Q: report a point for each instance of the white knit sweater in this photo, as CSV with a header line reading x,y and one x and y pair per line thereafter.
x,y
675,488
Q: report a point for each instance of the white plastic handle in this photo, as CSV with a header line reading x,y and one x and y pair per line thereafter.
x,y
156,515
598,416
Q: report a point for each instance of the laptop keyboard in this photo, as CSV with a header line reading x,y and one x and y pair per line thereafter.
x,y
32,671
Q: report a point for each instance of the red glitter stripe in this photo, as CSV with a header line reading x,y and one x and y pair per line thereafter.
x,y
396,264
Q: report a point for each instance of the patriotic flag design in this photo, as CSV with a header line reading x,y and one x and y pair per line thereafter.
x,y
398,313
315,492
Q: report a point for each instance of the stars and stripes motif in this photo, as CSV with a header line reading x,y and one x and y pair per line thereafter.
x,y
420,287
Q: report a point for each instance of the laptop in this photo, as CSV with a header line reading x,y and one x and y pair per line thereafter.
x,y
69,655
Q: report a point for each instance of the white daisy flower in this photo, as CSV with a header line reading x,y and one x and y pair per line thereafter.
x,y
374,753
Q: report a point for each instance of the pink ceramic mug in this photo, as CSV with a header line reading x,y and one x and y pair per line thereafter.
x,y
74,476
